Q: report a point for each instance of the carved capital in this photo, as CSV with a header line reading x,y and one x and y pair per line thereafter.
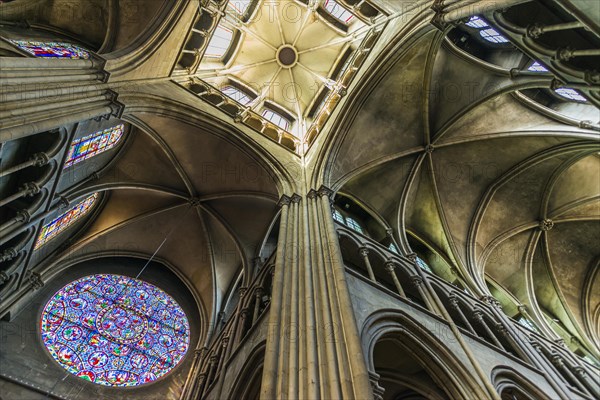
x,y
295,198
3,277
312,194
8,254
416,280
522,308
242,290
284,201
30,189
557,360
579,371
390,267
478,315
453,301
412,257
535,31
35,279
429,148
363,251
501,329
325,191
23,216
564,54
40,159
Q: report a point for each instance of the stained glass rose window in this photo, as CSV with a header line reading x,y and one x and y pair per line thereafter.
x,y
115,330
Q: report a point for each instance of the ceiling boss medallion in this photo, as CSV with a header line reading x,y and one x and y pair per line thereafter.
x,y
287,56
279,67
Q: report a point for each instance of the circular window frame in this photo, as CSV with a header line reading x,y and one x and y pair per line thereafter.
x,y
127,266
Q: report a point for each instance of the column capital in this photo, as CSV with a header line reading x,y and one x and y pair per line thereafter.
x,y
295,198
453,300
325,191
40,159
522,308
3,277
579,371
390,266
412,257
35,279
416,280
284,201
8,254
557,360
478,314
242,290
23,216
363,251
312,194
500,328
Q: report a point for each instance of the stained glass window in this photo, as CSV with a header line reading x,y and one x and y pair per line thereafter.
x,y
492,35
485,30
526,323
339,12
276,118
96,143
61,223
114,330
354,225
51,49
338,216
392,247
423,265
570,94
537,67
477,22
219,43
237,95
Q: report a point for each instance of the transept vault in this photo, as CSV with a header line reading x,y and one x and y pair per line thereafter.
x,y
299,199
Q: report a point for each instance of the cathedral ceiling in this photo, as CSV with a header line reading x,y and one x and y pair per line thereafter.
x,y
438,146
457,161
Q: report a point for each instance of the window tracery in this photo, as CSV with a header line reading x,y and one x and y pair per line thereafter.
x,y
276,118
338,11
219,43
237,95
59,224
51,49
94,144
114,330
485,30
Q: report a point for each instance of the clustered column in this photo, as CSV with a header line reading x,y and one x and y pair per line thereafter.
x,y
313,348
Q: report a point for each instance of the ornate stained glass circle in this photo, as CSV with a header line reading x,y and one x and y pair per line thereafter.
x,y
114,330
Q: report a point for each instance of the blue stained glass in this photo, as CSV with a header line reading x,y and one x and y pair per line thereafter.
x,y
338,216
354,225
96,143
115,330
477,22
423,265
537,67
570,94
51,49
61,223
